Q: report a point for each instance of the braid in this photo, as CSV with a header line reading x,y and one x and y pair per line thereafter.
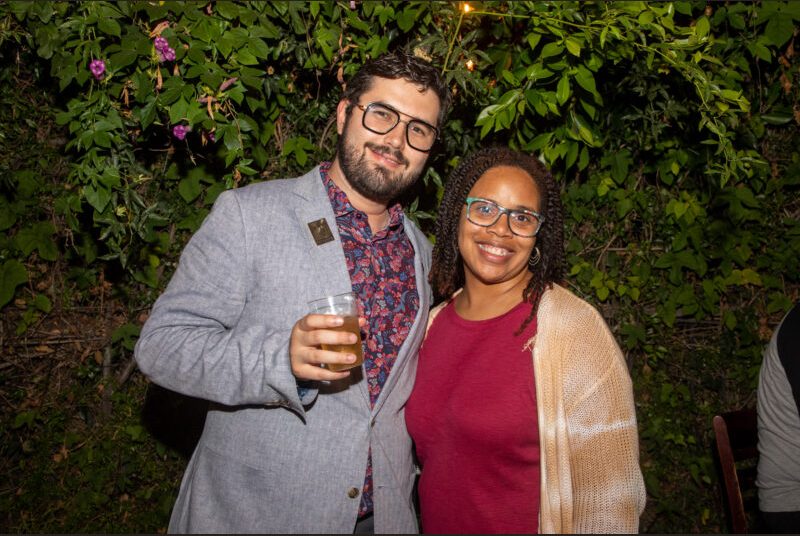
x,y
550,241
447,272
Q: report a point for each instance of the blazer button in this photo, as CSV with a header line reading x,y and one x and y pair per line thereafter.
x,y
352,493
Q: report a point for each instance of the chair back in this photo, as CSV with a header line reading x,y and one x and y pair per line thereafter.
x,y
736,434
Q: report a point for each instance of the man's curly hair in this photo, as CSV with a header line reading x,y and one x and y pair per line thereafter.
x,y
447,272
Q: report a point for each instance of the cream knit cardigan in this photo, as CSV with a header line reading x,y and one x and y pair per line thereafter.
x,y
590,476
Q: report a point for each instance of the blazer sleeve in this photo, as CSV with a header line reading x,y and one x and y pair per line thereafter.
x,y
607,484
197,340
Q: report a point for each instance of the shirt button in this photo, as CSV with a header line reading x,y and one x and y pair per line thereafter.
x,y
352,493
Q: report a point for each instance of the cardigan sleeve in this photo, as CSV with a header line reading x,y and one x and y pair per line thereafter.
x,y
607,486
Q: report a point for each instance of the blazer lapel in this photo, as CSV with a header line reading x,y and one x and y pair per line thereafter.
x,y
329,266
315,215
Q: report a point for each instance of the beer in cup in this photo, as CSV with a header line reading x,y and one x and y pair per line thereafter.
x,y
344,305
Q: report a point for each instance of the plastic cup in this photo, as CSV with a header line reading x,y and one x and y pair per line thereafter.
x,y
346,306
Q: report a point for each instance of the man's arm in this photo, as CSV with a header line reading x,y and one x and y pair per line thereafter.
x,y
198,342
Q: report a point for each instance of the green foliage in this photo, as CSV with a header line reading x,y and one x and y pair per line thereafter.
x,y
672,126
12,274
80,466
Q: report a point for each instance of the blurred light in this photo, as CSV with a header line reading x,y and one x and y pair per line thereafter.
x,y
470,65
467,8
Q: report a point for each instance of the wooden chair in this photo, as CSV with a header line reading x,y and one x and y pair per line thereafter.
x,y
736,435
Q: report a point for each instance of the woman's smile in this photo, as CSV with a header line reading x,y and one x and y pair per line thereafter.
x,y
494,254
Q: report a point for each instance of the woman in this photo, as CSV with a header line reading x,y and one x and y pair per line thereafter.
x,y
522,412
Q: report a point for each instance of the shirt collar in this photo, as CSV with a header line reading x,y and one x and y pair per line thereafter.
x,y
341,204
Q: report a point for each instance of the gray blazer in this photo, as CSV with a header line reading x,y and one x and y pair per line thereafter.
x,y
268,461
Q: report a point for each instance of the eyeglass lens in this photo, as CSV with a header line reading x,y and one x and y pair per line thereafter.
x,y
381,119
486,213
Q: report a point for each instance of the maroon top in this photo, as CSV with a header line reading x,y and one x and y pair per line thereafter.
x,y
473,419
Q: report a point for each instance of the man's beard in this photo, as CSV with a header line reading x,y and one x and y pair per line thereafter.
x,y
371,180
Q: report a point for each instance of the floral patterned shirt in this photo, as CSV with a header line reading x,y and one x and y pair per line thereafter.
x,y
382,274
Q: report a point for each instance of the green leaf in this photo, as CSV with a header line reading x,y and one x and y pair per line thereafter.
x,y
563,91
25,418
7,215
147,114
127,335
12,274
730,319
779,29
585,79
533,39
109,26
227,9
646,17
487,114
539,142
573,46
246,57
136,432
109,177
258,48
551,49
178,111
701,27
624,206
98,197
38,237
42,303
406,19
172,90
121,59
509,77
193,221
777,118
584,131
101,138
760,51
190,188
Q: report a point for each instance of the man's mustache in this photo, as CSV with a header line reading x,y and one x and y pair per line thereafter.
x,y
385,149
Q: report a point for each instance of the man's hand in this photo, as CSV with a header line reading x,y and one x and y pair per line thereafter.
x,y
307,356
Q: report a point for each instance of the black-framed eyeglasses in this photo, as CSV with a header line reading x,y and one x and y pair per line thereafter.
x,y
381,118
486,213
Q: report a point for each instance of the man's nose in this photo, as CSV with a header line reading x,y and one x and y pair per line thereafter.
x,y
397,136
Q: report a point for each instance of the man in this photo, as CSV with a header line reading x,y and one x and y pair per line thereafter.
x,y
778,477
288,445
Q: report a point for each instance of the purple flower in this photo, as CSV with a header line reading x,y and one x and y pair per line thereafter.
x,y
98,67
167,54
179,131
212,137
160,43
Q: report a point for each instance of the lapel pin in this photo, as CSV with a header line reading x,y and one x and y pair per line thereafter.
x,y
320,231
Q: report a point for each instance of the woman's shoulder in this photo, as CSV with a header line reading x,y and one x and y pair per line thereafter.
x,y
433,313
562,301
563,313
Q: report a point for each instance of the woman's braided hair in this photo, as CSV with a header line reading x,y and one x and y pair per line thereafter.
x,y
447,272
